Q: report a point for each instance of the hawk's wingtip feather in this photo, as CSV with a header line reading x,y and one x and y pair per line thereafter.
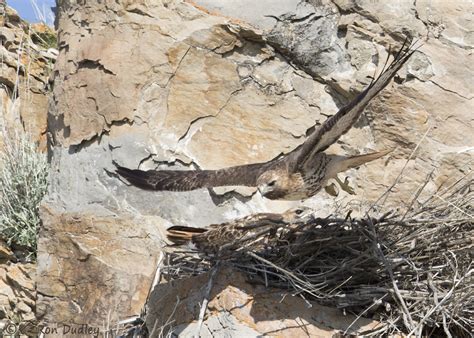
x,y
136,177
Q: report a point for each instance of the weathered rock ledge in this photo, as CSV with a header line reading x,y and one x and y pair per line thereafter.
x,y
205,84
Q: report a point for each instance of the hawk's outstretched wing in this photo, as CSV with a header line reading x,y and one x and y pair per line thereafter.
x,y
338,124
247,175
185,180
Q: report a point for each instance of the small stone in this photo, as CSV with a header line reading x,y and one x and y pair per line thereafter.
x,y
6,293
19,277
31,302
22,307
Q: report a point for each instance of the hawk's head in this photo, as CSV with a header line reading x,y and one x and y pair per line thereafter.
x,y
278,184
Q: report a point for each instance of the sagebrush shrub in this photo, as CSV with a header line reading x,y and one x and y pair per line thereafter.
x,y
23,183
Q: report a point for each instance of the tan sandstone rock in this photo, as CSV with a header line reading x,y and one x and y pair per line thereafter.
x,y
205,84
105,265
234,302
17,291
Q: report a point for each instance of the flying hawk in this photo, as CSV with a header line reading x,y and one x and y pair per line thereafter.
x,y
299,174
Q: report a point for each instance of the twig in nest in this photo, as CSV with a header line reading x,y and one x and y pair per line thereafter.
x,y
417,194
157,277
376,302
406,313
168,322
205,301
385,194
435,300
445,298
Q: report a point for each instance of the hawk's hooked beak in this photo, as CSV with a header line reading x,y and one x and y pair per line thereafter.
x,y
264,189
271,191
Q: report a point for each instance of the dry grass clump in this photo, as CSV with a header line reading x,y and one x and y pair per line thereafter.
x,y
412,272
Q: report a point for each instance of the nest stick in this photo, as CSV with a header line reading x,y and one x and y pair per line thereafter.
x,y
205,301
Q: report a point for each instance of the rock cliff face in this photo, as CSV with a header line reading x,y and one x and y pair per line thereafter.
x,y
17,287
26,63
209,84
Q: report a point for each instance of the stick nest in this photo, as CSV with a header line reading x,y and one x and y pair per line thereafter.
x,y
412,272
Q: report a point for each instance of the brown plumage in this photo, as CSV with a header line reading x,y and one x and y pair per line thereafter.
x,y
237,233
299,174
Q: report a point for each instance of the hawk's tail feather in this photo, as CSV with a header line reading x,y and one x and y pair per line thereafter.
x,y
358,160
182,234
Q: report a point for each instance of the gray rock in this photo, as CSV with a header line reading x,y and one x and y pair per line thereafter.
x,y
309,37
176,85
261,14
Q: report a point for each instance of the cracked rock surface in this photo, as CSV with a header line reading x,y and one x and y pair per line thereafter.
x,y
25,67
204,84
17,286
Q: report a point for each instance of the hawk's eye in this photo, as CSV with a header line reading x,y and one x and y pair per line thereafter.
x,y
299,211
271,184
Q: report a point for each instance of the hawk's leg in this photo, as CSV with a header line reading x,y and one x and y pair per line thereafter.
x,y
345,185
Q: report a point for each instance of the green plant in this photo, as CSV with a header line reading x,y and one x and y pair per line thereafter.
x,y
23,183
46,39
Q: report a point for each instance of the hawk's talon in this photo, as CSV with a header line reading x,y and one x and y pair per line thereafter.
x,y
331,190
345,185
